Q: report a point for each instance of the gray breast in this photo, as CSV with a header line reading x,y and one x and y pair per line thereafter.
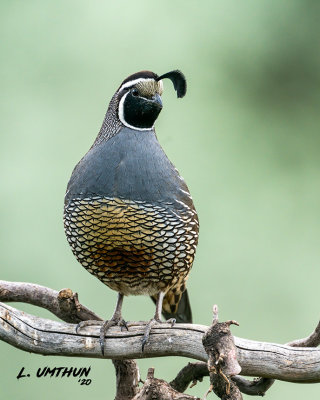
x,y
131,165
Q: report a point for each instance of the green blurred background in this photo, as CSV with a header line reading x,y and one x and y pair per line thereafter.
x,y
245,138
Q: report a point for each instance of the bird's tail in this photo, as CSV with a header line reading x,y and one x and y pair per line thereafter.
x,y
176,305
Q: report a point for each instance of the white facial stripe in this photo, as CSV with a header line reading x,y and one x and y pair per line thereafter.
x,y
134,82
121,113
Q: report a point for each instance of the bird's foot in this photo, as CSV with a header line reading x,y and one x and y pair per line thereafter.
x,y
114,321
105,325
151,324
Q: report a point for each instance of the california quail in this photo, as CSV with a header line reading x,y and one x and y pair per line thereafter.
x,y
128,216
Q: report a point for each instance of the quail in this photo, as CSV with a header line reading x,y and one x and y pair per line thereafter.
x,y
128,215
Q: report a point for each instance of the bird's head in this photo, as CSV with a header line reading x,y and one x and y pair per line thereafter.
x,y
139,97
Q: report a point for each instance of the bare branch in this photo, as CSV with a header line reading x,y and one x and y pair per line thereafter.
x,y
35,334
258,387
159,389
192,372
253,388
44,336
64,304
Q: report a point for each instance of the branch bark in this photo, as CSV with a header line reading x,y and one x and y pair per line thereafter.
x,y
158,389
43,336
222,358
128,378
194,372
64,304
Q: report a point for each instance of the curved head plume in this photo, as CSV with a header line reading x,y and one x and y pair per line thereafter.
x,y
178,80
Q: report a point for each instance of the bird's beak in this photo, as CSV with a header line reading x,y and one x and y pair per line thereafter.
x,y
157,100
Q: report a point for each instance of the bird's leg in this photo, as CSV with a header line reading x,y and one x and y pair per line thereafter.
x,y
155,319
116,320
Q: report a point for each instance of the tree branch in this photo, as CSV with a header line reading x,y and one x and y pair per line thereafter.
x,y
271,361
64,304
44,336
194,372
160,390
259,386
128,378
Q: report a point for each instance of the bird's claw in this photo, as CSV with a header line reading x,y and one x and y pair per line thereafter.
x,y
104,328
171,321
147,331
123,324
89,322
108,324
150,325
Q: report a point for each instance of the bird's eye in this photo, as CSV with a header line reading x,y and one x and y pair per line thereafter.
x,y
135,92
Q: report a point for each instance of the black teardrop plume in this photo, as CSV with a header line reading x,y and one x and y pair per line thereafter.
x,y
178,80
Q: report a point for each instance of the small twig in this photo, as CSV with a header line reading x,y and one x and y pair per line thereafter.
x,y
207,392
215,312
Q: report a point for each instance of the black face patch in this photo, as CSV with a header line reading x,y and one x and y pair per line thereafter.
x,y
139,111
